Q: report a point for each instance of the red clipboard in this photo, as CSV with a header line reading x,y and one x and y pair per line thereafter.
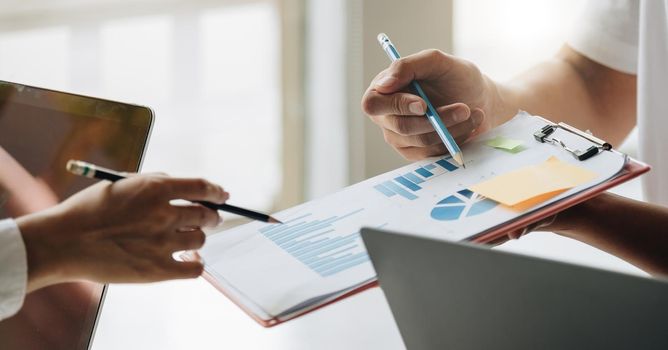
x,y
494,236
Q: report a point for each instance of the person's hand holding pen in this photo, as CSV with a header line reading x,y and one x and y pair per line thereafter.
x,y
462,96
124,231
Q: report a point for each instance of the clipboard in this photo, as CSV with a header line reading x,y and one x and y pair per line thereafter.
x,y
632,169
494,235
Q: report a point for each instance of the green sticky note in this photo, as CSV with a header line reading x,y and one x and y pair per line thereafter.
x,y
506,144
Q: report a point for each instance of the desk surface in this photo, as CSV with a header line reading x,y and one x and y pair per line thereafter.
x,y
192,314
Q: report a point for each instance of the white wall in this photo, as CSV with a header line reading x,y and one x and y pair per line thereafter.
x,y
413,26
344,146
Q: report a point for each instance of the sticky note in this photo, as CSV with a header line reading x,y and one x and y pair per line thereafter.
x,y
506,144
535,183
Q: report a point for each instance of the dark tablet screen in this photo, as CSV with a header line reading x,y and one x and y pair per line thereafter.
x,y
40,130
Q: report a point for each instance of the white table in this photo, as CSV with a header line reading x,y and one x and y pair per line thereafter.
x,y
194,315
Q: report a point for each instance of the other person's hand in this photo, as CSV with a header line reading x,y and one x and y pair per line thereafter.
x,y
464,98
120,232
544,224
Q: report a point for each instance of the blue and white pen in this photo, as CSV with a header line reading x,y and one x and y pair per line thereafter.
x,y
431,114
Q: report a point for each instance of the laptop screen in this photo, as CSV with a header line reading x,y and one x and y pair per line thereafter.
x,y
40,130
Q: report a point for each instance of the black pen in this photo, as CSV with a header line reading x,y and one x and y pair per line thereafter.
x,y
92,171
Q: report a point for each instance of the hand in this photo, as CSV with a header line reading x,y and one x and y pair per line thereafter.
x,y
565,223
122,232
464,98
544,224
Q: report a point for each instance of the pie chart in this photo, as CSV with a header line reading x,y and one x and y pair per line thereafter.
x,y
460,205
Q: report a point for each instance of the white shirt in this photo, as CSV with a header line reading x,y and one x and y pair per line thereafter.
x,y
13,269
632,36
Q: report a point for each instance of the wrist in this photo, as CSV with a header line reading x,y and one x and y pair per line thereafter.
x,y
44,265
574,221
503,108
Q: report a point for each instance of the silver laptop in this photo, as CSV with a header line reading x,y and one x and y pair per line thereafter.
x,y
446,295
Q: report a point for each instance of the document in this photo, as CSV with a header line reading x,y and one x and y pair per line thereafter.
x,y
278,271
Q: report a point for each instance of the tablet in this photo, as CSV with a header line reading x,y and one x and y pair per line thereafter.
x,y
40,130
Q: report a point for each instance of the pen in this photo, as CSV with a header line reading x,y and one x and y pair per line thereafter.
x,y
92,171
431,114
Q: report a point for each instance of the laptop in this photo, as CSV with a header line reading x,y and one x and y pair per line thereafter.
x,y
447,295
40,130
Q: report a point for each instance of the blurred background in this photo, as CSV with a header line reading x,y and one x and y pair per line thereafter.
x,y
263,97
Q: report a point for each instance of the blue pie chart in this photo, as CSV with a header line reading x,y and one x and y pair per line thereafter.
x,y
460,205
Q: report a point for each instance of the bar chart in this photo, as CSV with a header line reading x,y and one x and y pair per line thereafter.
x,y
408,184
317,244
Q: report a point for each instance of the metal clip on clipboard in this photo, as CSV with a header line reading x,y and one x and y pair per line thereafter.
x,y
543,136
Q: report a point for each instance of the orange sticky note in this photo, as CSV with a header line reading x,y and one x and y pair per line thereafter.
x,y
541,181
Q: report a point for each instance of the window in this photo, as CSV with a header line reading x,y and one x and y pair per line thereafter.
x,y
516,35
505,38
23,54
212,73
215,92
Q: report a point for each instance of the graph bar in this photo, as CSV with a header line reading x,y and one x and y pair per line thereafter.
x,y
414,178
447,165
404,181
339,261
308,246
280,230
326,263
306,241
299,246
350,262
285,224
284,240
314,256
429,166
384,190
316,245
399,190
424,172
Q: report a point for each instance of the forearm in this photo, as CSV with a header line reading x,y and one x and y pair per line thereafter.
x,y
44,265
573,89
632,230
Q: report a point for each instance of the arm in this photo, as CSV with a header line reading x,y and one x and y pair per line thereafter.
x,y
632,230
574,89
569,88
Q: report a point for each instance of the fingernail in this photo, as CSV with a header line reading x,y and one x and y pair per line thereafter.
x,y
460,115
416,107
220,220
477,117
386,81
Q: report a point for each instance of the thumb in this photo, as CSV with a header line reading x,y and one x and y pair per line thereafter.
x,y
427,64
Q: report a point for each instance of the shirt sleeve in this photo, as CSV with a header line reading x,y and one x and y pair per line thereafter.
x,y
607,32
13,269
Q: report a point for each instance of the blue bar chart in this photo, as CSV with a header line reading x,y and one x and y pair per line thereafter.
x,y
407,184
316,245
